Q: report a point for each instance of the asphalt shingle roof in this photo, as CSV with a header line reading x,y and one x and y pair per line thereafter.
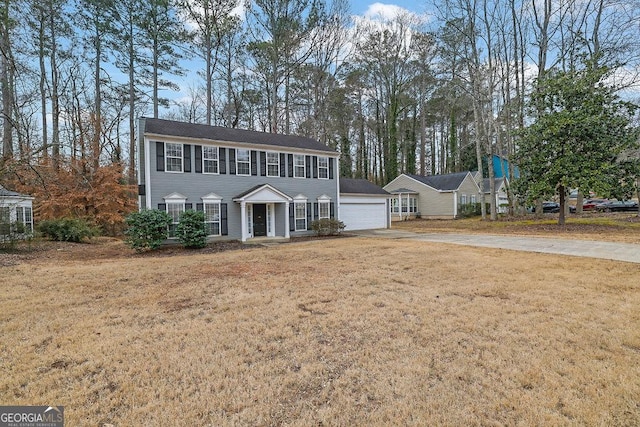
x,y
485,184
360,186
217,133
447,182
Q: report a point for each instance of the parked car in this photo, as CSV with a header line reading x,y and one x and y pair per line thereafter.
x,y
618,206
549,207
589,205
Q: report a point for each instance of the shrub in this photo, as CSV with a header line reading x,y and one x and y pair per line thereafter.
x,y
67,229
147,229
327,227
191,231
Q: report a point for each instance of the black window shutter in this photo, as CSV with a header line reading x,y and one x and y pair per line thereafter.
x,y
315,166
141,190
331,160
263,163
162,207
188,206
254,163
160,156
307,163
198,158
292,218
222,160
283,165
332,210
309,215
186,153
316,211
224,229
232,161
200,207
290,160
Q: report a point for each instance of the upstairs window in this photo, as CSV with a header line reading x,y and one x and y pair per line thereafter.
x,y
323,167
273,164
173,157
298,166
210,159
243,162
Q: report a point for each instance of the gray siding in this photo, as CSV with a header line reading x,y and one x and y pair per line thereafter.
x,y
194,185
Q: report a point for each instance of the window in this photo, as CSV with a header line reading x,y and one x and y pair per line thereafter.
x,y
323,167
173,157
209,159
212,218
24,218
243,162
174,210
473,199
273,164
323,210
5,220
394,205
300,210
298,166
463,199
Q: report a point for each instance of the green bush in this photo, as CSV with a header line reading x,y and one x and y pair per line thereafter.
x,y
147,229
472,209
191,231
327,227
67,229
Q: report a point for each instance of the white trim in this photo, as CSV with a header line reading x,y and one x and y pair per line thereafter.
x,y
243,162
266,160
211,197
277,196
147,170
304,166
295,215
166,157
327,167
217,160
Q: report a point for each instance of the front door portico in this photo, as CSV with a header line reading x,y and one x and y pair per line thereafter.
x,y
258,212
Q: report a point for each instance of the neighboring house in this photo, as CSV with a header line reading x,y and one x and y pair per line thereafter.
x,y
363,205
248,184
502,199
16,215
435,196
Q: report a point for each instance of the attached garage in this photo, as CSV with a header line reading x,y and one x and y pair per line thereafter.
x,y
363,205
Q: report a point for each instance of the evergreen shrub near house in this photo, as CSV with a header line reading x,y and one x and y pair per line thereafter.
x,y
327,227
472,209
147,229
191,230
67,229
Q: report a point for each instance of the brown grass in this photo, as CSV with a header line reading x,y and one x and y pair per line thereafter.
x,y
613,227
335,332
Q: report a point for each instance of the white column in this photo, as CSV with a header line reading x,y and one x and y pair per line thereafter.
x,y
243,220
286,220
455,204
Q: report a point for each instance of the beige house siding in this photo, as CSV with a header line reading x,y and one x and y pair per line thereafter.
x,y
436,204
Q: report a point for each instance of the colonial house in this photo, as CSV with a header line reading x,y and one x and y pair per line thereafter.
x,y
248,184
16,215
435,196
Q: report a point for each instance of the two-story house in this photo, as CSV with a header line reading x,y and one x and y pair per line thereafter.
x,y
248,184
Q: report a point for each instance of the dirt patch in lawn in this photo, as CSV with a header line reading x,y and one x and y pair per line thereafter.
x,y
330,332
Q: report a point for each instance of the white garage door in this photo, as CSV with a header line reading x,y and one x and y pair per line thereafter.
x,y
363,213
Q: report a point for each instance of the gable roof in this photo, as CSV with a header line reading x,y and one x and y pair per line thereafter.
x,y
447,182
217,133
487,188
8,193
360,186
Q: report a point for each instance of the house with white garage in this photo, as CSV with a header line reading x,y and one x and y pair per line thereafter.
x,y
249,184
434,196
16,215
502,198
363,205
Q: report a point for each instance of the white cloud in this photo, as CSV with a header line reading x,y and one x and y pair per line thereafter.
x,y
384,12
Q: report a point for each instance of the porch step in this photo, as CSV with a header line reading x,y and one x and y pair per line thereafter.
x,y
266,240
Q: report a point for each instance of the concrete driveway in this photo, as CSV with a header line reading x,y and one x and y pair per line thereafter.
x,y
583,248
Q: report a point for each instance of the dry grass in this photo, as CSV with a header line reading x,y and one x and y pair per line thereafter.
x,y
337,332
615,227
